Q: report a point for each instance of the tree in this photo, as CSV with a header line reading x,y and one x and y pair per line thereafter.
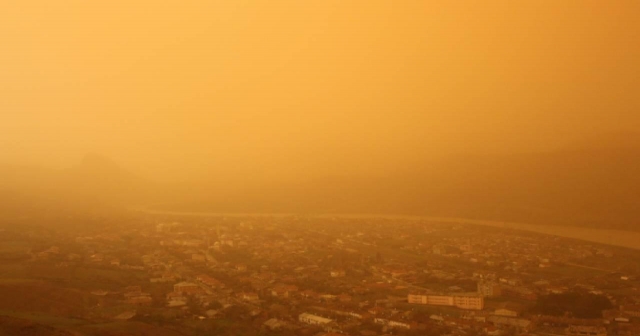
x,y
576,304
194,306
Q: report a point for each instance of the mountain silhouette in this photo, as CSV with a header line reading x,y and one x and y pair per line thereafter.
x,y
93,183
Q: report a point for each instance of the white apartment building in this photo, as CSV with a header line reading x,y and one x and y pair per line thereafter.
x,y
470,302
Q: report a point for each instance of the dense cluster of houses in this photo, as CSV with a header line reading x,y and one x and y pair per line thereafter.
x,y
359,275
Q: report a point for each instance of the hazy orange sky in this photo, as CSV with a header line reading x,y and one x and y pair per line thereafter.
x,y
175,89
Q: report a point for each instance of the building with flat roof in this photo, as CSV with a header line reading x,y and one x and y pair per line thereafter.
x,y
586,331
465,301
489,288
392,324
314,319
187,288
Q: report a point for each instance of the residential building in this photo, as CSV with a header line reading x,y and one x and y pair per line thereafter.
x,y
392,324
586,331
489,289
506,312
209,281
274,324
314,319
187,288
464,301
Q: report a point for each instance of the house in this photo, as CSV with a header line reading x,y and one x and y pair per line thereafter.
x,y
249,296
175,299
314,319
376,310
126,315
211,313
631,310
328,297
97,258
309,294
508,309
175,295
488,289
273,324
391,324
99,292
280,291
144,299
509,321
585,331
187,288
134,294
557,289
209,281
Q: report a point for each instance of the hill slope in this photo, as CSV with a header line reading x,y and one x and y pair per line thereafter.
x,y
95,183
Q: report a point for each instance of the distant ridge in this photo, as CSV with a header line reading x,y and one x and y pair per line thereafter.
x,y
597,187
589,188
95,182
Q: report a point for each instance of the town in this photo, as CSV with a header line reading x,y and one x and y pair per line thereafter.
x,y
317,275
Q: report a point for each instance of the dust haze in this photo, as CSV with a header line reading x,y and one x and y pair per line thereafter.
x,y
477,109
319,168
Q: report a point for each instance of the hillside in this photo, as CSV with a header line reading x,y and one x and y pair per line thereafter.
x,y
94,184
